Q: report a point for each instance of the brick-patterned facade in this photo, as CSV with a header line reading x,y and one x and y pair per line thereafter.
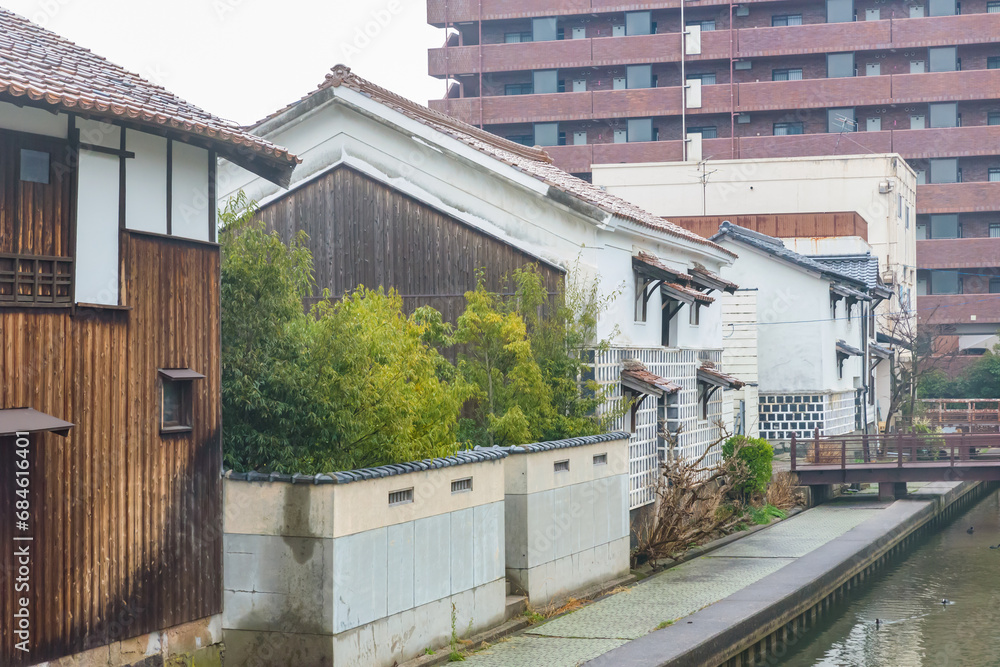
x,y
891,94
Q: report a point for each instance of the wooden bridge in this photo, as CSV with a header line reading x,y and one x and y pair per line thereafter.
x,y
961,412
897,458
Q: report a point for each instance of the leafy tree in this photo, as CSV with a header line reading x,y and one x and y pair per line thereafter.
x,y
749,461
351,384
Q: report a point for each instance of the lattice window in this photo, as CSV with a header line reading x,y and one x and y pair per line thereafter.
x,y
35,280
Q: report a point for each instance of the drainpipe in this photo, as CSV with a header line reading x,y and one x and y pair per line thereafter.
x,y
732,85
684,143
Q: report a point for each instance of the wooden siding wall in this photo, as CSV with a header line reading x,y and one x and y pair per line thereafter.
x,y
34,217
127,522
782,225
363,232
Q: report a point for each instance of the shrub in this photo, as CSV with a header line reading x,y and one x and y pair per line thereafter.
x,y
750,460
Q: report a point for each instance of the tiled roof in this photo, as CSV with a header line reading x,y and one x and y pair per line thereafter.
x,y
39,65
348,476
709,372
880,351
775,247
691,293
849,350
563,444
702,272
534,162
863,268
644,376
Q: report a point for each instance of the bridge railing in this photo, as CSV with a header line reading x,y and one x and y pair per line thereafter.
x,y
962,410
900,449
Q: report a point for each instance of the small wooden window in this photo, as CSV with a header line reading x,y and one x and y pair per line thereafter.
x,y
176,399
175,415
561,466
461,485
401,497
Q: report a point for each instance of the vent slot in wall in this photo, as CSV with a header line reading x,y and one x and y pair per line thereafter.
x,y
401,497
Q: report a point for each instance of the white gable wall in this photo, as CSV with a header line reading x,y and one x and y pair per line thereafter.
x,y
97,229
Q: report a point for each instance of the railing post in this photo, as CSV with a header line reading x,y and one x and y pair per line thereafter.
x,y
899,449
952,448
816,447
866,453
964,449
843,454
793,451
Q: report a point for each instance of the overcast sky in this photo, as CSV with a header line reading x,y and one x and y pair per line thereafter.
x,y
242,59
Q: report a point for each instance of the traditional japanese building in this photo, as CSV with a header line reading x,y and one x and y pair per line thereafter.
x,y
110,421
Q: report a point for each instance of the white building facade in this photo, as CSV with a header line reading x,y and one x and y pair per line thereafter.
x,y
668,313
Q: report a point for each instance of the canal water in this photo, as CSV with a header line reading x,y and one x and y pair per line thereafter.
x,y
915,629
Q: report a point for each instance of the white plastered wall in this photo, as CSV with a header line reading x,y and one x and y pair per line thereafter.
x,y
189,192
97,229
146,182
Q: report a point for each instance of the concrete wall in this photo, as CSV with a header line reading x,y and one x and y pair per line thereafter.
x,y
566,530
332,573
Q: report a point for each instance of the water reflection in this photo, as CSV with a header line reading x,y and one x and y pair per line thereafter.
x,y
914,628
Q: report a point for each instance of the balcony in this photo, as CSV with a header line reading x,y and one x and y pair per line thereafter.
x,y
815,93
804,145
958,253
978,84
512,57
960,309
945,30
519,108
455,11
958,198
947,141
813,38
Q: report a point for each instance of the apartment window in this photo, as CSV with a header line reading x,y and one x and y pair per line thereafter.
x,y
544,30
34,166
176,399
839,65
839,11
516,37
706,79
668,322
945,170
993,175
640,129
944,226
786,75
943,7
518,89
786,19
704,25
944,114
546,134
782,129
943,59
944,282
638,23
639,76
993,62
545,81
841,120
993,7
706,131
906,210
994,285
995,230
523,139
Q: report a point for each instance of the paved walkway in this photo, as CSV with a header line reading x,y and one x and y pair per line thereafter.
x,y
675,593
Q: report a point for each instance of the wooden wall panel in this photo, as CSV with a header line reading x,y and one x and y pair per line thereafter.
x,y
363,232
128,522
34,217
781,225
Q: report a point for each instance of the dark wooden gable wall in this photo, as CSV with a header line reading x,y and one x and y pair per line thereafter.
x,y
364,232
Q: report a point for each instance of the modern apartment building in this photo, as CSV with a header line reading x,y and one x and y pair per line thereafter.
x,y
604,82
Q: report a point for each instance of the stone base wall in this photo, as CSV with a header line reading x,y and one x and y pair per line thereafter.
x,y
194,644
782,415
558,579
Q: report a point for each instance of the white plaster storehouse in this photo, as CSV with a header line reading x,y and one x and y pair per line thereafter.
x,y
814,336
668,316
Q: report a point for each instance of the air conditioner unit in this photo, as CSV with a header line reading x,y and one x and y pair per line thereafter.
x,y
885,187
743,118
742,10
742,64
